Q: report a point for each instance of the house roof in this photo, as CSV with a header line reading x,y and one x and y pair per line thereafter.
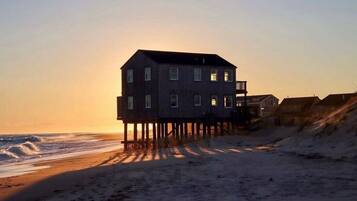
x,y
186,58
300,100
298,105
254,98
336,99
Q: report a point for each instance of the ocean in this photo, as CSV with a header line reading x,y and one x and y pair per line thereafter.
x,y
19,153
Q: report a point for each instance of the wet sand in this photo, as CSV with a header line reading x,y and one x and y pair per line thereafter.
x,y
12,185
224,168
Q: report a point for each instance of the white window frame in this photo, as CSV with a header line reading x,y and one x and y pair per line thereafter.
x,y
130,75
214,97
175,96
197,74
171,73
225,101
213,71
229,75
147,74
194,100
147,101
130,102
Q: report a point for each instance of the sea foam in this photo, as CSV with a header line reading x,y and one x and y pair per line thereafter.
x,y
6,155
24,149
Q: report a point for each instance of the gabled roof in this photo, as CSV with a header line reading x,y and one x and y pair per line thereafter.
x,y
185,58
300,100
254,98
337,99
297,105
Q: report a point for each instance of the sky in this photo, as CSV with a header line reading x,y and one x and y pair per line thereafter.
x,y
60,60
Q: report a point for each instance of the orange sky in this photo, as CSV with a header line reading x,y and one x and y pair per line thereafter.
x,y
60,61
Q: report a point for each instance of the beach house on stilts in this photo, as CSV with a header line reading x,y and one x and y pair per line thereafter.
x,y
176,94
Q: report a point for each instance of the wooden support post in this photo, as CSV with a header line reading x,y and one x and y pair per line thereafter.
x,y
192,128
198,125
177,130
163,130
147,134
215,128
209,128
186,128
166,130
125,136
135,134
204,129
221,127
154,132
173,129
159,130
142,134
181,131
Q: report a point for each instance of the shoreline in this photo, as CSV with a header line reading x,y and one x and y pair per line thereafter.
x,y
14,184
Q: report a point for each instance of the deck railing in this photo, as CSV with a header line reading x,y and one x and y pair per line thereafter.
x,y
241,86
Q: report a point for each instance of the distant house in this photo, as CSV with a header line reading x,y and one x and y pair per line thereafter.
x,y
260,105
161,88
295,110
332,102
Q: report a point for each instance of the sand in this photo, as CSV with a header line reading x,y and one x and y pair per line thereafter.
x,y
222,168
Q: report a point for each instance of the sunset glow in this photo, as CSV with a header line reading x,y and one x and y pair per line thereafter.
x,y
60,60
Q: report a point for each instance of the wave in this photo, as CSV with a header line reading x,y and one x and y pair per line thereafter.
x,y
6,155
20,139
16,151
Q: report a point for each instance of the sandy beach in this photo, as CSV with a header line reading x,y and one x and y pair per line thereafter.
x,y
220,168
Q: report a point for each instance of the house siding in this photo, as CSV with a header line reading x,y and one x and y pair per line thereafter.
x,y
186,88
139,88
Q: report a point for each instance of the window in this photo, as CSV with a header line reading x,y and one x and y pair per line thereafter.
x,y
197,74
214,101
214,73
174,100
147,101
130,76
228,101
130,102
173,71
197,100
228,76
147,74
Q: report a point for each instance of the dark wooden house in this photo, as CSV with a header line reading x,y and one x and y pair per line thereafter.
x,y
332,102
294,111
171,89
260,105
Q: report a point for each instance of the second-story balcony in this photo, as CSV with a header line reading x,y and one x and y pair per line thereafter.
x,y
241,87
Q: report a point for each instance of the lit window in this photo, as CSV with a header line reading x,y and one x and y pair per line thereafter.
x,y
174,100
197,74
197,100
214,101
147,101
228,76
228,101
173,71
130,76
130,102
214,75
147,74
